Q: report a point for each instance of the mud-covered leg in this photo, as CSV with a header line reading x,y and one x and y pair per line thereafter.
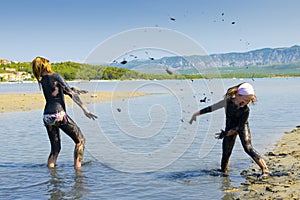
x,y
73,131
54,137
78,154
262,164
227,146
245,137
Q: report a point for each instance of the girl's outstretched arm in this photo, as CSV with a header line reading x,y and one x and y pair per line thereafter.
x,y
78,101
78,90
208,109
74,94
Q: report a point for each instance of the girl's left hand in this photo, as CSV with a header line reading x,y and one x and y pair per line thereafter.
x,y
220,135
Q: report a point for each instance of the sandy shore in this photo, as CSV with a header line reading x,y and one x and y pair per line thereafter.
x,y
284,163
26,102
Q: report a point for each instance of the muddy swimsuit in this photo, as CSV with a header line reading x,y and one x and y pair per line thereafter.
x,y
55,116
235,118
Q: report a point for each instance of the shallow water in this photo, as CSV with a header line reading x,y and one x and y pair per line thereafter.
x,y
142,148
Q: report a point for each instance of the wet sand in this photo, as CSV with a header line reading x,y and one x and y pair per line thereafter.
x,y
284,163
26,102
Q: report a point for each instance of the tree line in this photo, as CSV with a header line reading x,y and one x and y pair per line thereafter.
x,y
78,71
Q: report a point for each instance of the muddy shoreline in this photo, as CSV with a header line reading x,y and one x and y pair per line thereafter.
x,y
284,163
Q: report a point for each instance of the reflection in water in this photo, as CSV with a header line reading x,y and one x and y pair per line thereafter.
x,y
55,185
78,188
229,190
189,174
66,185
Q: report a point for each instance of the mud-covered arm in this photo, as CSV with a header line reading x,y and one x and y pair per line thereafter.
x,y
208,109
213,107
223,133
78,101
243,119
240,128
78,90
75,97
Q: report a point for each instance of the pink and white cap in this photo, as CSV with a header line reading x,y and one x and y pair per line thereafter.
x,y
245,89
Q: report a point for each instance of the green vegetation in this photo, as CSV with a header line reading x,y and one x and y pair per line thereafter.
x,y
24,67
76,71
73,71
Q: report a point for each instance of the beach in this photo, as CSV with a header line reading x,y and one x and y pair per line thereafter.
x,y
284,163
27,102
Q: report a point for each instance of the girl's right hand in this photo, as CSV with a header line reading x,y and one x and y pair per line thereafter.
x,y
78,90
90,115
194,117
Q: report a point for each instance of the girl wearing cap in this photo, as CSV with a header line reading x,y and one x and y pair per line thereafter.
x,y
55,116
235,103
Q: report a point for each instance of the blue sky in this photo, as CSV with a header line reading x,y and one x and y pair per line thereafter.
x,y
63,30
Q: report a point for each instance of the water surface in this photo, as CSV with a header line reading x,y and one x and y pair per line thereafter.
x,y
143,125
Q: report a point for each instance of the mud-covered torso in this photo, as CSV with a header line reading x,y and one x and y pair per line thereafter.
x,y
54,104
235,117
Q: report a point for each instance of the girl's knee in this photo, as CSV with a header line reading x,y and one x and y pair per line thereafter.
x,y
81,141
252,153
79,151
248,149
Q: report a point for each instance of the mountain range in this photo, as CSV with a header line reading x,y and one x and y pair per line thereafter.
x,y
187,64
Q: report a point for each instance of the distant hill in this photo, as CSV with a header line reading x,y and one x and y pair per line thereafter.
x,y
189,64
259,57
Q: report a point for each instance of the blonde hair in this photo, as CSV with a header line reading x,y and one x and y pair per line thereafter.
x,y
40,65
233,91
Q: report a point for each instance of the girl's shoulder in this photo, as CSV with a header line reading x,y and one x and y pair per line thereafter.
x,y
51,74
55,76
228,99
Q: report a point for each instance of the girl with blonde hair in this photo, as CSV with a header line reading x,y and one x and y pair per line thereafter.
x,y
236,102
55,117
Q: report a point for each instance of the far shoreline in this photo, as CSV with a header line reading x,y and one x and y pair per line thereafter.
x,y
208,76
36,101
